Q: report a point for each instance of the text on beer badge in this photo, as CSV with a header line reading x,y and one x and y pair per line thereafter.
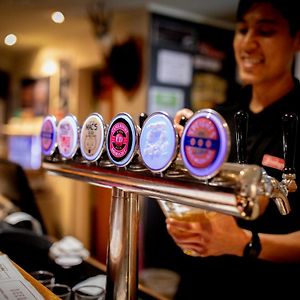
x,y
47,135
202,143
119,140
92,137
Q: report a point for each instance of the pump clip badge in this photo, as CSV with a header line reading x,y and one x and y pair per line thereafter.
x,y
205,143
121,140
48,135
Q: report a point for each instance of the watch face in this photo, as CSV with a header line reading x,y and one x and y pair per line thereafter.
x,y
205,143
121,140
158,142
48,135
92,137
67,136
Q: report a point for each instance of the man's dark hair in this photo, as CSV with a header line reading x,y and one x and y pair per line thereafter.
x,y
289,9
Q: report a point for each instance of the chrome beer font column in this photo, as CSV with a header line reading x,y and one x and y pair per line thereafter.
x,y
211,184
68,131
48,138
92,140
122,255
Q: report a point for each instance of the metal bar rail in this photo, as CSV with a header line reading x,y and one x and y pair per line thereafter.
x,y
122,279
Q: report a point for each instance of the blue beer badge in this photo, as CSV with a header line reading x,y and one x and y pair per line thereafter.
x,y
121,140
67,136
92,137
48,135
205,143
158,142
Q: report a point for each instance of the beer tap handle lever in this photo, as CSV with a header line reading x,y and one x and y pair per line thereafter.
x,y
290,126
142,118
183,121
280,190
241,131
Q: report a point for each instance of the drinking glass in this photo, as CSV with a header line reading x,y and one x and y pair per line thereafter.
x,y
186,213
62,291
44,277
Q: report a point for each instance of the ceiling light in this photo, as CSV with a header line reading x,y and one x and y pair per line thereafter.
x,y
10,40
49,67
58,17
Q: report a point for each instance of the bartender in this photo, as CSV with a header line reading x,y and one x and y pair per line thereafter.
x,y
259,256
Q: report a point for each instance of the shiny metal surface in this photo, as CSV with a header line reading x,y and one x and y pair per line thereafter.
x,y
218,196
239,190
122,256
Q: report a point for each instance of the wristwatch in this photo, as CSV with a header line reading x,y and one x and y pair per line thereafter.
x,y
253,248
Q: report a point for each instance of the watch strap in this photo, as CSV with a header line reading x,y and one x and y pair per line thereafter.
x,y
253,248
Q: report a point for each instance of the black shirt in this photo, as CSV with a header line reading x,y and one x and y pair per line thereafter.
x,y
228,275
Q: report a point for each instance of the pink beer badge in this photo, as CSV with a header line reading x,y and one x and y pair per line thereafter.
x,y
205,143
121,140
67,136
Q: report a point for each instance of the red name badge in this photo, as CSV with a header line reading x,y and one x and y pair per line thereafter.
x,y
273,162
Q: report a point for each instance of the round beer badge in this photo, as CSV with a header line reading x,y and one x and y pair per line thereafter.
x,y
158,142
205,143
92,137
67,136
121,140
48,135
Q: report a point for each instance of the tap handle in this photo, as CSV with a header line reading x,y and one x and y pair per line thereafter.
x,y
290,126
142,118
241,132
183,121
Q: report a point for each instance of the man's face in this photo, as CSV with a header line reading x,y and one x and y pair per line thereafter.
x,y
264,48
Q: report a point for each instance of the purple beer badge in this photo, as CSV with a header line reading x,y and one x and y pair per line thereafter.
x,y
205,143
48,135
121,140
158,142
67,136
92,137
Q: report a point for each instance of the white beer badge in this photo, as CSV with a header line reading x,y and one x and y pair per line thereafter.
x,y
92,137
158,142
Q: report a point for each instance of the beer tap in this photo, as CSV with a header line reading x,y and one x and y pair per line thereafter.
x,y
290,126
142,118
136,163
241,131
288,184
271,187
